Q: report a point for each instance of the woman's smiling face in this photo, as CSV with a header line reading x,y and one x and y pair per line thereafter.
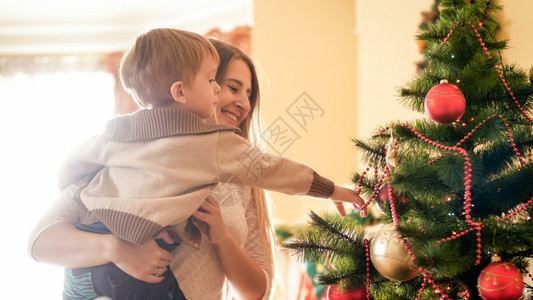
x,y
234,98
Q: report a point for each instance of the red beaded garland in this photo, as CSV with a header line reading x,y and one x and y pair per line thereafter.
x,y
367,270
505,84
527,271
476,226
456,150
482,43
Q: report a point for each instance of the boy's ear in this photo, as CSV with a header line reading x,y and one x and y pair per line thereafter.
x,y
176,90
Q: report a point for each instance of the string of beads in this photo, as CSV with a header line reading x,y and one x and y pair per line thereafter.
x,y
457,150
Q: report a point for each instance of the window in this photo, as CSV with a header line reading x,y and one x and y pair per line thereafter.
x,y
48,106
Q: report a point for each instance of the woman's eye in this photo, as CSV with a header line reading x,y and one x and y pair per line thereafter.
x,y
233,89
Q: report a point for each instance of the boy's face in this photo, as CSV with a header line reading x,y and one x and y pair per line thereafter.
x,y
202,92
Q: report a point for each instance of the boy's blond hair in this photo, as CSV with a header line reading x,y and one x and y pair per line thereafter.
x,y
159,58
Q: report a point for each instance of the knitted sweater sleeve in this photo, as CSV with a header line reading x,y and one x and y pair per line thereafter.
x,y
67,208
252,167
255,247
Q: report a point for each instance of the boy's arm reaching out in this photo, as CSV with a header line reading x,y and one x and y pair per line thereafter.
x,y
252,167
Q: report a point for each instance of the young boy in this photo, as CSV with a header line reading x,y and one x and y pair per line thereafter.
x,y
152,169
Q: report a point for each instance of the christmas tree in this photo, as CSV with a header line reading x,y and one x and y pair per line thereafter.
x,y
456,187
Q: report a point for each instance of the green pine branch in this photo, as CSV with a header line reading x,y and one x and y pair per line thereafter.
x,y
429,183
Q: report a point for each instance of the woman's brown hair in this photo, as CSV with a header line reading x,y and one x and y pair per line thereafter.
x,y
250,130
227,53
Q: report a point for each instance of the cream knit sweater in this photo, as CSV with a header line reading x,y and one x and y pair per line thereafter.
x,y
198,271
155,167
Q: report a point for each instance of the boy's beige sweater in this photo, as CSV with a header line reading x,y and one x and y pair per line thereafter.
x,y
155,167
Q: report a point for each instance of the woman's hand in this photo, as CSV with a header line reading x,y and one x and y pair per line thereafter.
x,y
246,277
145,262
209,220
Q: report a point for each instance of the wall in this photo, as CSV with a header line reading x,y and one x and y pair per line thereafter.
x,y
387,54
350,57
309,47
516,28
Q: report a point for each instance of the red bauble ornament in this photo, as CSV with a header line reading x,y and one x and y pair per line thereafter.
x,y
445,103
335,293
383,197
500,281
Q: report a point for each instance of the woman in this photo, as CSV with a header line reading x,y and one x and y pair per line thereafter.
x,y
238,238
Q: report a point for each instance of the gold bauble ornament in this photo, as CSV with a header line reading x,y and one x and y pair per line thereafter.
x,y
389,256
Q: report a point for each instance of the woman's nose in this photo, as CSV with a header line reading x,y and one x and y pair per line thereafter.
x,y
243,102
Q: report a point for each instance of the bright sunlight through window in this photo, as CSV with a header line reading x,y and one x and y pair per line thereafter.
x,y
43,116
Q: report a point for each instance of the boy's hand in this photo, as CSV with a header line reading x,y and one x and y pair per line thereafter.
x,y
165,236
342,194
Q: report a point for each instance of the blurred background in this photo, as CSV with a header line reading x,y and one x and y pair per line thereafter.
x,y
58,85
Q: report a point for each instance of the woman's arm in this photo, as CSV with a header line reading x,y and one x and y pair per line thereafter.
x,y
64,245
245,275
57,241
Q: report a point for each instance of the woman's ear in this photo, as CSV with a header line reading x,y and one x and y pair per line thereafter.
x,y
176,90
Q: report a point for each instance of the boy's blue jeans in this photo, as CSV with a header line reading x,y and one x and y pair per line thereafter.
x,y
108,280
